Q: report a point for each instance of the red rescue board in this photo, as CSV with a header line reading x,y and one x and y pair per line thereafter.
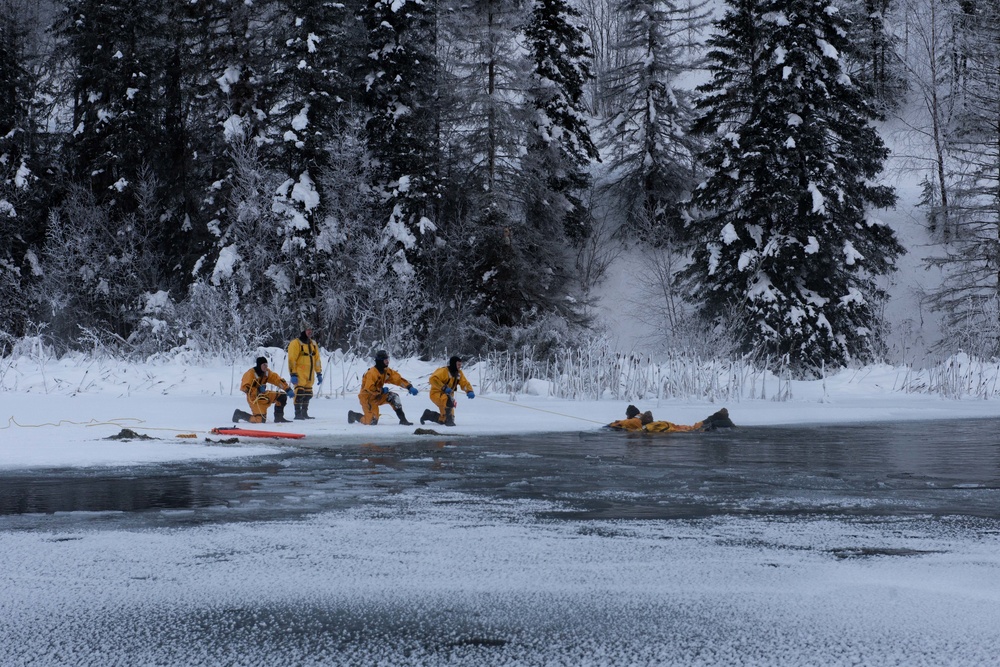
x,y
250,433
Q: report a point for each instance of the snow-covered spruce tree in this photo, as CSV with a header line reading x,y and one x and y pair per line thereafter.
x,y
970,292
229,60
786,252
400,88
308,90
20,222
653,164
560,154
115,54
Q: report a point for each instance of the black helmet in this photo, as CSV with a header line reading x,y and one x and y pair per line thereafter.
x,y
631,411
381,355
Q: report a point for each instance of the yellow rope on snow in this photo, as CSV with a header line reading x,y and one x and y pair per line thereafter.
x,y
93,422
117,421
551,412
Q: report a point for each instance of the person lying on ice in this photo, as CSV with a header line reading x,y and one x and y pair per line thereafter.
x,y
374,393
634,421
254,385
444,382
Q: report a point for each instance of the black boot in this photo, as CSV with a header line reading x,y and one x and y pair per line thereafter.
x,y
449,418
402,418
279,415
239,415
353,416
430,416
305,408
298,411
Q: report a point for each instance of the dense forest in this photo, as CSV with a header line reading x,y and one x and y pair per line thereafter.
x,y
434,175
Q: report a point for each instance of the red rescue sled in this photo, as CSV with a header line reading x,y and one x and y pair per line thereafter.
x,y
250,433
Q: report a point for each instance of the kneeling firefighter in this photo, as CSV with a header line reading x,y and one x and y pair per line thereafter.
x,y
374,393
254,385
445,381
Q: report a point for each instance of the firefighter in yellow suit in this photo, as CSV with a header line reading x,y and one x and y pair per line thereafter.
x,y
254,385
445,381
374,392
634,421
304,369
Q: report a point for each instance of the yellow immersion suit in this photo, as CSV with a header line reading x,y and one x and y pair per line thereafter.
x,y
440,379
259,398
371,395
304,363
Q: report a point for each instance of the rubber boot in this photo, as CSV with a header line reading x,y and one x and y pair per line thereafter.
x,y
239,416
430,416
449,418
305,407
298,411
279,415
402,418
353,416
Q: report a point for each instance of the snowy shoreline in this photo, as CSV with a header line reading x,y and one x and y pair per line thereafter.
x,y
57,413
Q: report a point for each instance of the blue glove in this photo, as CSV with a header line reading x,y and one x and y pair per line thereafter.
x,y
385,390
290,392
319,378
412,390
447,391
470,394
295,378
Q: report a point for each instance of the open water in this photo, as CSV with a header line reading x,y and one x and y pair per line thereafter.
x,y
881,469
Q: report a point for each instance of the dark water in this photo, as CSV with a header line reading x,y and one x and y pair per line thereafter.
x,y
864,470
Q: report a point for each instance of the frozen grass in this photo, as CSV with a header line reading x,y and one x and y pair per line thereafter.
x,y
595,372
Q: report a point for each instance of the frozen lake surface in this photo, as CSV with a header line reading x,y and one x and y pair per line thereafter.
x,y
867,544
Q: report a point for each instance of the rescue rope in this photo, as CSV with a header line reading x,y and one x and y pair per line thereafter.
x,y
551,412
117,421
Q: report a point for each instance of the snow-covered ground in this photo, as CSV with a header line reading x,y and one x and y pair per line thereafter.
x,y
58,412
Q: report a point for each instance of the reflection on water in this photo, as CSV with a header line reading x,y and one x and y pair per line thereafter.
x,y
866,470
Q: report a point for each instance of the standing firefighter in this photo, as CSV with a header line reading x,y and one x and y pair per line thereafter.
x,y
254,385
444,382
374,393
304,367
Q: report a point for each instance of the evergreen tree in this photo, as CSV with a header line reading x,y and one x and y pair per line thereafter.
x,y
310,88
400,89
19,222
115,53
562,147
653,154
786,252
